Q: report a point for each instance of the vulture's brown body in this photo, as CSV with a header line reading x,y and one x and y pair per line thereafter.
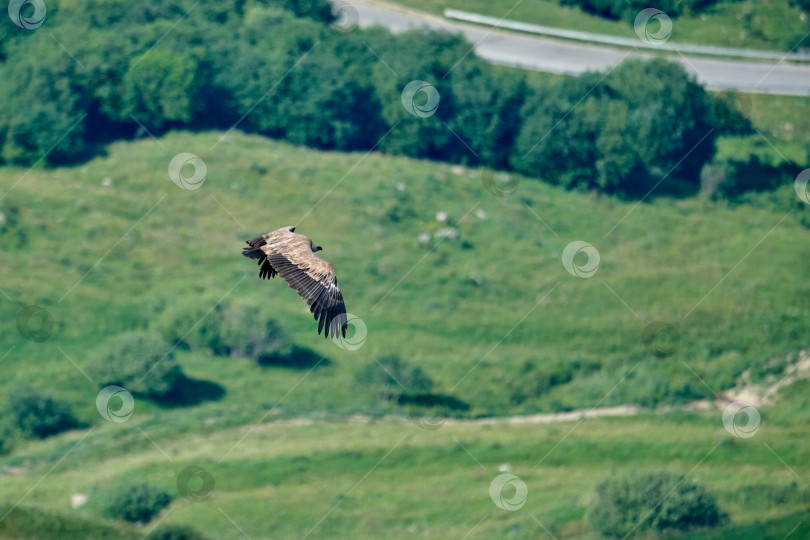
x,y
292,256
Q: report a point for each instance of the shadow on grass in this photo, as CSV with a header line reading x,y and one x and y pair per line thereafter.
x,y
299,358
450,403
188,392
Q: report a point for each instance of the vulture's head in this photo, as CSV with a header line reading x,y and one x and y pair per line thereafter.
x,y
291,229
315,247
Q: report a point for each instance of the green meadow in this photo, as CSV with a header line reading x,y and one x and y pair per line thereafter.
x,y
341,479
109,245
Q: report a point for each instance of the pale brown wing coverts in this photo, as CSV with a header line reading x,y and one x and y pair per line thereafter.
x,y
290,255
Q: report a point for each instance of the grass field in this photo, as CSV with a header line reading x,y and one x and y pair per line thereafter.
x,y
108,245
339,479
771,25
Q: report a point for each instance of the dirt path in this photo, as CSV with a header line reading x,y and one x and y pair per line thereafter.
x,y
745,392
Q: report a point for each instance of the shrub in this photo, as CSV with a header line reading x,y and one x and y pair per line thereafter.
x,y
801,4
141,362
12,230
732,178
537,378
39,415
658,501
392,378
6,438
226,330
137,503
176,532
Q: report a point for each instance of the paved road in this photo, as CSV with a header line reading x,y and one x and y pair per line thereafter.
x,y
544,54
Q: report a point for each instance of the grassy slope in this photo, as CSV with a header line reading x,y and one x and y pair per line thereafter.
x,y
725,24
661,259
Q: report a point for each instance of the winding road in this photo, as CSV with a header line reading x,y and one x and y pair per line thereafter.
x,y
573,58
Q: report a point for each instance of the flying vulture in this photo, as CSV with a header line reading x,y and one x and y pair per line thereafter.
x,y
293,257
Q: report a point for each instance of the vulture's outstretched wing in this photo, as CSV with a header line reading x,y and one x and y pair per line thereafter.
x,y
290,255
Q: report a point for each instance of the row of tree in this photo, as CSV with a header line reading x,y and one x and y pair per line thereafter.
x,y
282,68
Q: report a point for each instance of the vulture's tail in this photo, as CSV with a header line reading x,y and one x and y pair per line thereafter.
x,y
254,251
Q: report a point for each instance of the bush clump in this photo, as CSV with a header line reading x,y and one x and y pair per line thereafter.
x,y
732,178
657,501
392,378
176,532
137,503
226,330
141,362
36,414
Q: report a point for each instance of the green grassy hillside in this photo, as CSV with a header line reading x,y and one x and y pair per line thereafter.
x,y
118,255
109,245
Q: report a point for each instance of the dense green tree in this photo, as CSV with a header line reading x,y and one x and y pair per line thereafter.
x,y
43,107
294,79
641,125
671,114
159,88
426,56
557,139
487,116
